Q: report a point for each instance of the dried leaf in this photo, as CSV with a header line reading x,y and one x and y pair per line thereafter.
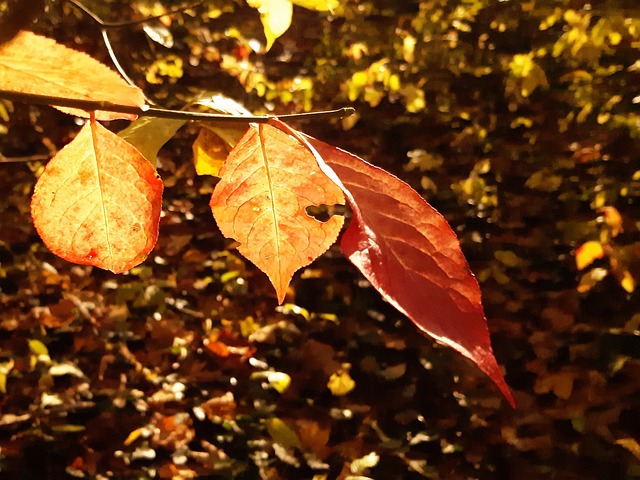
x,y
267,183
98,202
38,65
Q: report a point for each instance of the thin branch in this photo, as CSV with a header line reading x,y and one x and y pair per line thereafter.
x,y
116,63
147,111
126,23
31,158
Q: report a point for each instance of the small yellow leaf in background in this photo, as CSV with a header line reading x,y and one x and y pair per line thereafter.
x,y
591,278
275,16
628,282
587,253
133,436
209,153
631,445
613,219
319,5
282,434
38,348
341,383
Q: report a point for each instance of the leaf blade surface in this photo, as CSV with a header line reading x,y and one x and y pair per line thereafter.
x,y
38,65
267,182
98,202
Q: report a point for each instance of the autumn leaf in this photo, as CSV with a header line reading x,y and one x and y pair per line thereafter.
x,y
209,153
275,16
267,182
98,202
409,253
587,253
319,5
38,65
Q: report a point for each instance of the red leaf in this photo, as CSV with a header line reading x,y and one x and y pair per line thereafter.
x,y
98,202
267,182
38,65
409,253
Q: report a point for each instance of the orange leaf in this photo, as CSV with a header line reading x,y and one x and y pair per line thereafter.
x,y
268,181
38,65
98,202
409,253
587,253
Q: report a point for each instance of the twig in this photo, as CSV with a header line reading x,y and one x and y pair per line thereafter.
x,y
126,23
147,111
31,158
114,59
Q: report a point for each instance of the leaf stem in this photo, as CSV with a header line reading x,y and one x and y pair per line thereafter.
x,y
147,111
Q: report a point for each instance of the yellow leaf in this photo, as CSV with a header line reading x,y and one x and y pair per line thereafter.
x,y
631,445
613,219
628,282
319,5
591,278
341,383
209,153
38,65
587,253
282,434
38,348
275,16
133,436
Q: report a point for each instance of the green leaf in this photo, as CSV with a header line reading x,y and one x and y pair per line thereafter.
x,y
149,134
282,434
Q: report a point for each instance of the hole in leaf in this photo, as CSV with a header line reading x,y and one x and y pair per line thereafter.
x,y
323,212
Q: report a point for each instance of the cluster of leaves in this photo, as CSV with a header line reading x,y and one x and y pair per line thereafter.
x,y
483,107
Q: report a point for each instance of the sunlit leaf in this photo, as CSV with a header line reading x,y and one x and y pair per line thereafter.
x,y
38,65
319,5
587,253
340,383
409,253
98,202
266,185
38,348
209,153
159,34
275,16
591,279
363,464
628,282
